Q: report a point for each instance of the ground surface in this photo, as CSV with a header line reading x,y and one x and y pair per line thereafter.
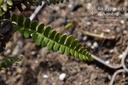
x,y
43,67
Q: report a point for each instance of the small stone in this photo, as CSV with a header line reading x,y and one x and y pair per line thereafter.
x,y
107,30
111,51
31,35
123,75
85,38
8,73
114,9
92,47
117,14
33,67
107,62
7,52
62,76
125,32
88,44
109,77
88,23
33,52
122,21
95,44
121,55
45,76
36,61
70,6
89,6
97,68
86,80
16,50
63,68
19,70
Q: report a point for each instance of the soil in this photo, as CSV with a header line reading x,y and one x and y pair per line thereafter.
x,y
43,67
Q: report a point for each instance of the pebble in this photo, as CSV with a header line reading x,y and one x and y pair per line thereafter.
x,y
85,38
125,32
117,14
109,77
114,9
89,6
16,50
95,44
70,6
92,47
107,62
45,76
122,21
88,23
88,44
33,52
7,52
36,61
33,67
63,68
121,55
62,76
43,51
123,75
19,70
111,51
107,30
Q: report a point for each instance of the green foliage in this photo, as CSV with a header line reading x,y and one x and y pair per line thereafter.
x,y
68,25
7,5
4,6
6,62
41,34
44,36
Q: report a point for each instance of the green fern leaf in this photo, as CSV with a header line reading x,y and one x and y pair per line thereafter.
x,y
21,20
39,40
45,42
34,25
14,18
27,33
39,28
5,62
34,36
51,39
27,23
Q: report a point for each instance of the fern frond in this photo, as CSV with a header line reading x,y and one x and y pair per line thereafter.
x,y
7,5
44,36
6,62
